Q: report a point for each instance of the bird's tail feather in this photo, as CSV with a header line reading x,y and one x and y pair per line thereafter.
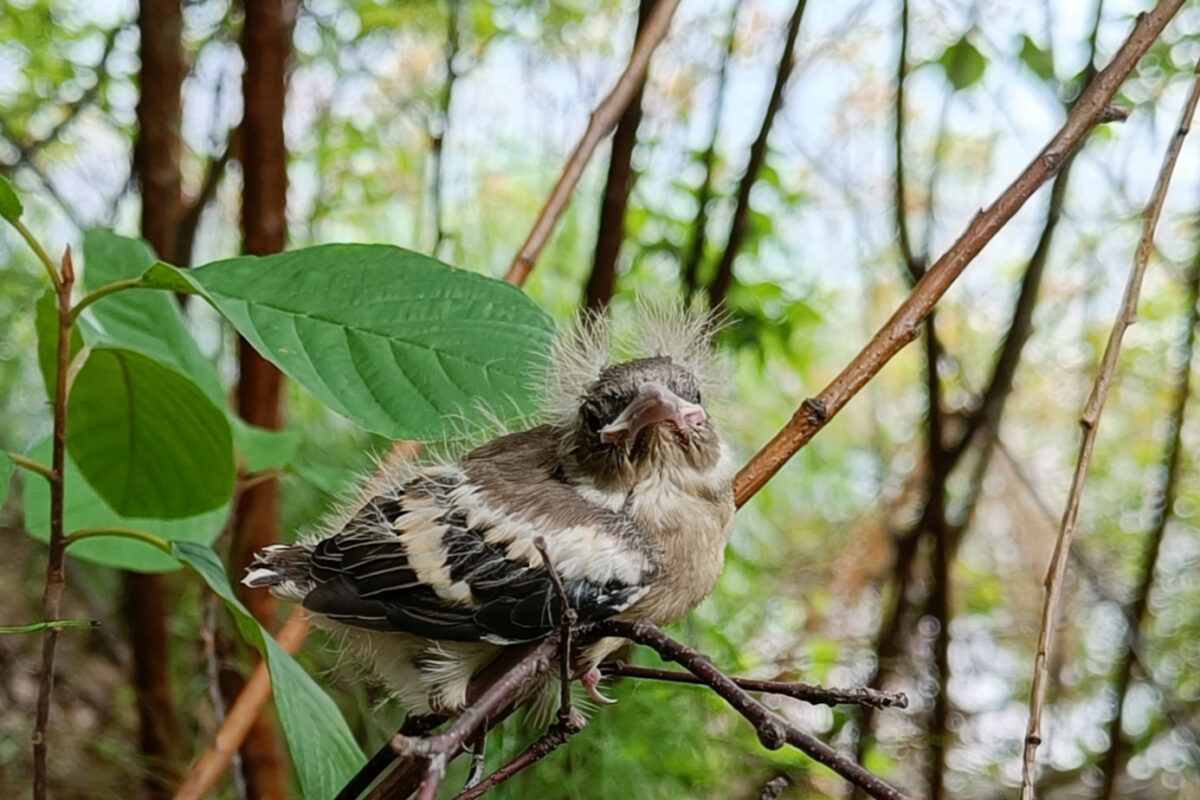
x,y
282,568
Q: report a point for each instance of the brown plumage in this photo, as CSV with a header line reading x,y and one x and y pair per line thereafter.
x,y
627,482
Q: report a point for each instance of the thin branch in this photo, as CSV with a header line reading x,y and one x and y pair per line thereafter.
x,y
189,220
42,256
691,265
55,577
775,787
1090,420
817,695
31,465
438,750
241,716
1161,506
603,119
739,222
904,325
558,735
772,731
54,625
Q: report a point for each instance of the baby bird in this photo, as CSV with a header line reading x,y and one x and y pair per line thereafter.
x,y
627,482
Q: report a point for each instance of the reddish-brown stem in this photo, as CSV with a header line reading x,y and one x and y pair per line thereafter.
x,y
1090,420
818,695
603,119
905,323
55,577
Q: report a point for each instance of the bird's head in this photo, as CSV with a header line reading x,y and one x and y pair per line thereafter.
x,y
627,421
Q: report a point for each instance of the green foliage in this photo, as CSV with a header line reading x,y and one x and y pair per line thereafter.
x,y
146,439
391,339
963,63
10,204
1037,59
262,449
84,508
323,750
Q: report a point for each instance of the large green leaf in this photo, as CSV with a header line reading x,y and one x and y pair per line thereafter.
x,y
147,439
263,449
84,509
391,339
147,322
323,750
6,471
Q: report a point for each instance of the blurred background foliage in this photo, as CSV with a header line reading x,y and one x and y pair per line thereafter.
x,y
812,568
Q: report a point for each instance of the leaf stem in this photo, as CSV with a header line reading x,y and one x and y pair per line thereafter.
x,y
32,466
123,533
39,251
104,291
55,624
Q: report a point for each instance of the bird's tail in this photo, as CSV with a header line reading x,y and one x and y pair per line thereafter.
x,y
282,568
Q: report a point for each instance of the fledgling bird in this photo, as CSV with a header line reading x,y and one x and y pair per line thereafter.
x,y
627,482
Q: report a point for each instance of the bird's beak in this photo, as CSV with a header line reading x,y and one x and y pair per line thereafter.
x,y
654,403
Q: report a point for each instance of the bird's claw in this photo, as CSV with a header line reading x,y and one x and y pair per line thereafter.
x,y
591,680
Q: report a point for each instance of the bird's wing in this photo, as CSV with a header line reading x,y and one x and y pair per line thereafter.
x,y
451,555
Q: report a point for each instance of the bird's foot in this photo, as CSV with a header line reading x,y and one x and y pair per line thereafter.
x,y
591,680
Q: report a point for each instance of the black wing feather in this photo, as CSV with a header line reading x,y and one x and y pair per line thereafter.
x,y
363,578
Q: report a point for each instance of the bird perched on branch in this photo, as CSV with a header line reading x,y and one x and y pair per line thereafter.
x,y
627,483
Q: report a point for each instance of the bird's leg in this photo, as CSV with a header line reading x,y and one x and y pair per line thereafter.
x,y
478,758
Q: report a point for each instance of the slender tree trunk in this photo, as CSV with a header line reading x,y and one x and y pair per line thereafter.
x,y
266,41
738,225
156,164
603,280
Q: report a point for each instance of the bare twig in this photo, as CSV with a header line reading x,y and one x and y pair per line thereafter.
x,y
912,263
1090,420
1160,506
738,223
774,787
602,121
817,695
55,578
558,735
437,142
904,325
240,717
772,731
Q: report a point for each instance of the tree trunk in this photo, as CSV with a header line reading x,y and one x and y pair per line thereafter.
x,y
266,42
156,158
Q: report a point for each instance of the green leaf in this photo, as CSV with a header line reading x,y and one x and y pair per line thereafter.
x,y
261,449
323,750
145,321
83,508
10,204
46,324
6,471
147,439
391,339
1037,59
964,64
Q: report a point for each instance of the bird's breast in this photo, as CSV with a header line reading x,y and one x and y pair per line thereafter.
x,y
687,517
